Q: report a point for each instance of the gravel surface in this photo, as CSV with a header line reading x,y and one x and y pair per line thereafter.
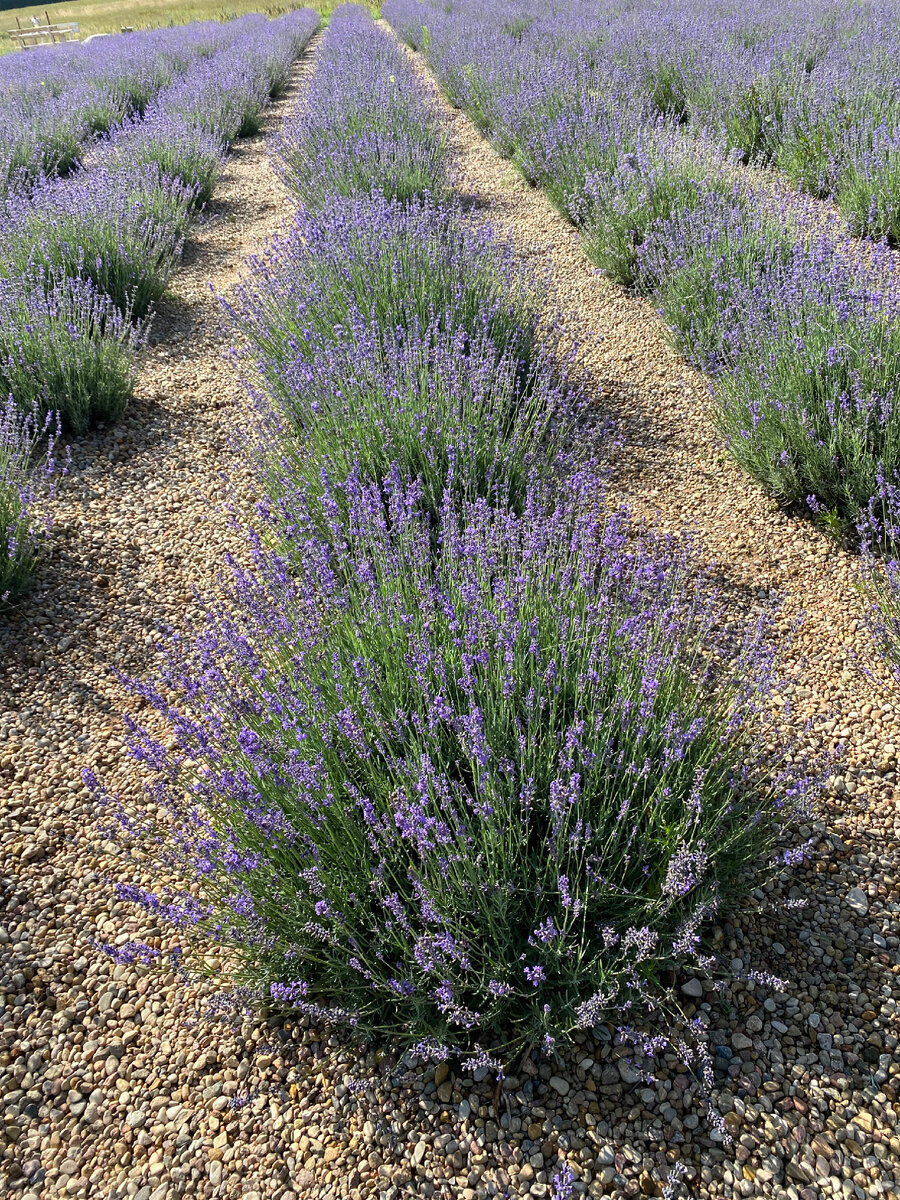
x,y
118,1081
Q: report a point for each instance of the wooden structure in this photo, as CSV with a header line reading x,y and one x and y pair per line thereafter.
x,y
44,35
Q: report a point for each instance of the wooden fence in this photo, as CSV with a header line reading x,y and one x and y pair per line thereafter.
x,y
44,35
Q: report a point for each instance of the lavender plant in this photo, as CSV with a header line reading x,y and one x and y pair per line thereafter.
x,y
753,116
802,331
223,96
65,348
444,408
868,189
811,407
179,150
38,143
394,267
660,182
123,230
492,794
363,127
21,475
703,264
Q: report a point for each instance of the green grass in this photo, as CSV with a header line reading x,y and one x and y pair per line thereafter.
x,y
109,16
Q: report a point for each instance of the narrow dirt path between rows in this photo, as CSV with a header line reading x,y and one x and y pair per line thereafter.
x,y
108,1086
827,1052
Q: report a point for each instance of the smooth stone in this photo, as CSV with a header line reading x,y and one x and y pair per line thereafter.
x,y
628,1074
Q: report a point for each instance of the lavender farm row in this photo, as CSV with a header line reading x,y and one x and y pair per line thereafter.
x,y
115,229
807,88
83,259
389,142
53,100
463,758
794,319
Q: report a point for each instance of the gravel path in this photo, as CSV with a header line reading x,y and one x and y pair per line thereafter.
x,y
115,1082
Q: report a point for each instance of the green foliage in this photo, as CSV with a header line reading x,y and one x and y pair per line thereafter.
x,y
66,349
753,119
659,182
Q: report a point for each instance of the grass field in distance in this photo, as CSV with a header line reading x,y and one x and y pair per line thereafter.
x,y
109,16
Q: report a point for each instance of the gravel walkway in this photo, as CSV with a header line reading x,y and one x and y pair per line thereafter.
x,y
114,1080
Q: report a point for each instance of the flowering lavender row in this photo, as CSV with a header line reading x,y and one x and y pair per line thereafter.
x,y
21,479
189,125
461,756
389,335
114,231
803,333
798,324
808,88
54,99
363,127
386,330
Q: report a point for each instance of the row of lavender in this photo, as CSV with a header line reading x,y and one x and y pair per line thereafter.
x,y
84,258
463,755
810,89
795,320
54,100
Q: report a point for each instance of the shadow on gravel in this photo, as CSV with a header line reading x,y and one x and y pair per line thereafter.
x,y
472,202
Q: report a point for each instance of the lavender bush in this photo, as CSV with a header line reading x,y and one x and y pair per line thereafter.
x,y
223,96
802,332
444,408
659,182
703,263
392,267
21,475
191,156
811,408
492,794
363,127
37,143
65,347
868,189
123,230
